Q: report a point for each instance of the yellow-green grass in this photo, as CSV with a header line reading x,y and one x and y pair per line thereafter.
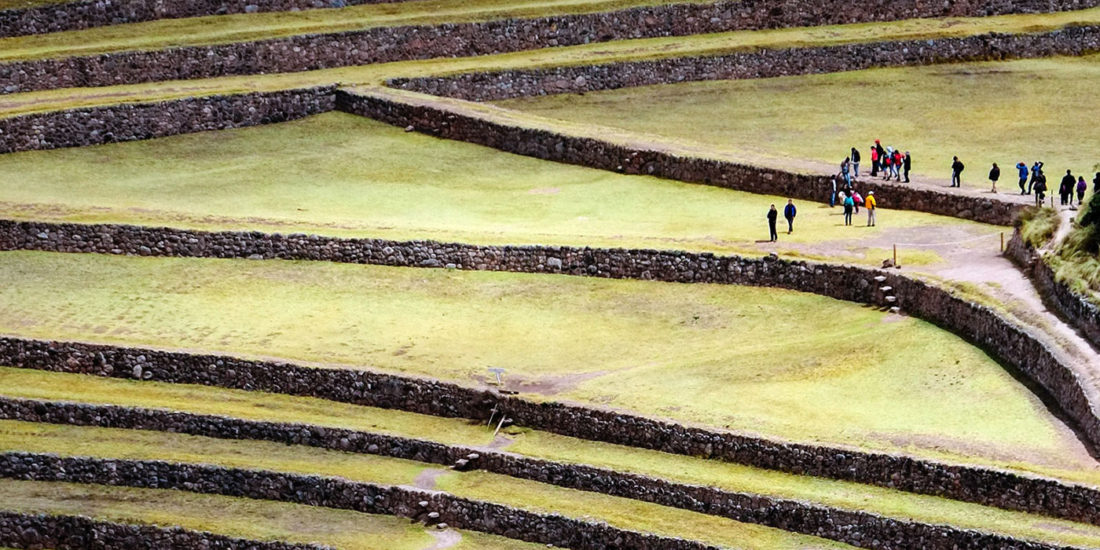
x,y
624,50
766,361
537,444
228,29
236,517
539,497
1004,112
348,176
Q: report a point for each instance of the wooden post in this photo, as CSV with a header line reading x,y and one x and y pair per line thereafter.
x,y
1002,242
895,255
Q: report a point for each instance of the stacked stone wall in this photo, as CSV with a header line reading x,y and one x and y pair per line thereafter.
x,y
401,43
860,528
458,512
1079,310
765,63
136,121
57,532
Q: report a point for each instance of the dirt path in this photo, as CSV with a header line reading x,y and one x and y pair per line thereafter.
x,y
445,538
426,478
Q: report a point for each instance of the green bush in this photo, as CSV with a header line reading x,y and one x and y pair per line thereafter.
x,y
1037,225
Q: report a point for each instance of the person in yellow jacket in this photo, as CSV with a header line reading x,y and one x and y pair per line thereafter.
x,y
869,204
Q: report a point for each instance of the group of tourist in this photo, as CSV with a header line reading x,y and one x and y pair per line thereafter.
x,y
1037,183
890,162
850,199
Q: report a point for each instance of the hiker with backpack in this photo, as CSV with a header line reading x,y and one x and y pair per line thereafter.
x,y
1081,188
1039,184
1065,190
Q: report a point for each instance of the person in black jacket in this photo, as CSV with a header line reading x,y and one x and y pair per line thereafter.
x,y
906,163
855,163
994,175
1065,190
790,212
957,168
1039,185
773,214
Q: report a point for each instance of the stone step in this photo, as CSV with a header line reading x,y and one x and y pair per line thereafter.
x,y
891,299
895,309
886,288
880,278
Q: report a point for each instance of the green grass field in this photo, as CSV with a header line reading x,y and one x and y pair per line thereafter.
x,y
144,445
343,175
623,50
1001,112
236,517
533,496
774,362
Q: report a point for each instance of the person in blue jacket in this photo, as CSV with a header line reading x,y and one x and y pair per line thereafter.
x,y
790,212
1022,169
849,204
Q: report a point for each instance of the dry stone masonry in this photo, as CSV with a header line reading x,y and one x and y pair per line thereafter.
x,y
491,86
860,528
57,532
386,44
1082,313
433,507
425,396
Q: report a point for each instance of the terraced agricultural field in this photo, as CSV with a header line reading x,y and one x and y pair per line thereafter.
x,y
274,311
695,354
346,176
1004,112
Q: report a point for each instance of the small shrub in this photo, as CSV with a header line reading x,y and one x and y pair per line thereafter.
x,y
1037,225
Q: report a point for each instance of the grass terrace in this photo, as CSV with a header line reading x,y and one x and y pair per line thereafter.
x,y
147,445
24,48
235,517
1002,112
689,352
347,176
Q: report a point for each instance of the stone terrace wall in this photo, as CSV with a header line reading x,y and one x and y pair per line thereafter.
x,y
337,493
84,14
127,122
80,533
595,153
490,86
383,44
1013,346
863,529
1083,314
416,504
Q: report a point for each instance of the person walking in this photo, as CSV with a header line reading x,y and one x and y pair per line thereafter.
x,y
832,196
1039,184
1081,188
1036,169
907,163
1065,190
957,168
874,161
845,170
994,175
789,212
1022,169
887,160
857,199
855,163
849,204
870,205
772,215
896,165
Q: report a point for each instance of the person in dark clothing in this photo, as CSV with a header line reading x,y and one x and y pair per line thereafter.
x,y
855,163
1065,190
906,164
957,168
1096,184
849,205
790,212
1081,188
1039,184
994,175
1022,169
1036,169
773,214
